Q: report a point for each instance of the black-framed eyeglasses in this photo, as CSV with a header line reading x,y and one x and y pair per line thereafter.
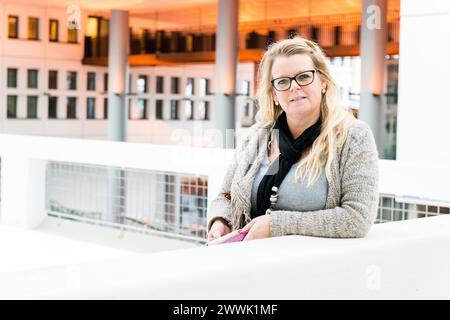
x,y
303,79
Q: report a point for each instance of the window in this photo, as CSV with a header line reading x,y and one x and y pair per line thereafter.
x,y
174,85
105,108
12,78
32,107
204,87
71,108
32,79
52,107
13,27
72,35
11,107
91,81
203,110
245,88
159,109
105,82
159,84
142,86
53,30
189,89
90,108
130,79
53,79
33,28
173,109
142,108
71,80
189,109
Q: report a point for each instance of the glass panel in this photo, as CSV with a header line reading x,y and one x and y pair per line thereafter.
x,y
32,107
189,89
33,28
12,78
90,112
12,107
52,107
91,81
173,109
32,78
159,109
71,108
53,79
53,32
71,80
13,27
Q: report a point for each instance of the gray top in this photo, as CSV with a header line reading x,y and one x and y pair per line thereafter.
x,y
293,196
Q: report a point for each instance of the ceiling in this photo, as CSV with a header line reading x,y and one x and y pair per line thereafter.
x,y
197,13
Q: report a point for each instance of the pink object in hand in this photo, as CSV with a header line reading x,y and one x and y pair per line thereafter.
x,y
234,236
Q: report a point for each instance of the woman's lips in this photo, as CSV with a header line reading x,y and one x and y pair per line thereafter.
x,y
297,98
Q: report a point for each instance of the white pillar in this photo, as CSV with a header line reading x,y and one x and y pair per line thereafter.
x,y
118,79
22,191
118,75
373,66
227,45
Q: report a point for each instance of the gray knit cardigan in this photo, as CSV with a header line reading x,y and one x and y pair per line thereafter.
x,y
352,199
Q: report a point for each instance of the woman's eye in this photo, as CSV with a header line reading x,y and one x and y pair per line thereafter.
x,y
282,81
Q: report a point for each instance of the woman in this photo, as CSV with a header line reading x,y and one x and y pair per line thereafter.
x,y
307,167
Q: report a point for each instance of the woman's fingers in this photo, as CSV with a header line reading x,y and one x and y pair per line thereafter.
x,y
248,226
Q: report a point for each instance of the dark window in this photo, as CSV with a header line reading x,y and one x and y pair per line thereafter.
x,y
71,80
71,108
32,107
13,27
203,110
52,107
53,79
159,84
105,82
72,35
91,81
159,109
105,108
189,89
33,28
53,30
203,87
90,108
175,85
173,109
32,79
12,78
142,84
142,108
12,107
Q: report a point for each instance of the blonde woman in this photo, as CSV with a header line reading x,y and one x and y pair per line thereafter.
x,y
307,167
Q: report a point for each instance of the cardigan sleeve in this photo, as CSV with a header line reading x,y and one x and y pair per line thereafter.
x,y
359,197
221,205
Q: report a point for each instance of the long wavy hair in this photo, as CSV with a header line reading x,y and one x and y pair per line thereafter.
x,y
335,118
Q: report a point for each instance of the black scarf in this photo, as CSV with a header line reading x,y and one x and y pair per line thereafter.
x,y
290,151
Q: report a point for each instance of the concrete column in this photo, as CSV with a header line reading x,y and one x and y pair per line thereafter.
x,y
118,75
118,71
373,66
227,45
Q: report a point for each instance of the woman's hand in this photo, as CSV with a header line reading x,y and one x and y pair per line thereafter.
x,y
258,228
218,229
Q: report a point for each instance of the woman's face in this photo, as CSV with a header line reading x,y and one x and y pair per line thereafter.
x,y
299,102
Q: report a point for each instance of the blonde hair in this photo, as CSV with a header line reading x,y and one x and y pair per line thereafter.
x,y
335,119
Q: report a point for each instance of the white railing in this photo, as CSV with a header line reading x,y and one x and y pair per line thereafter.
x,y
404,259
